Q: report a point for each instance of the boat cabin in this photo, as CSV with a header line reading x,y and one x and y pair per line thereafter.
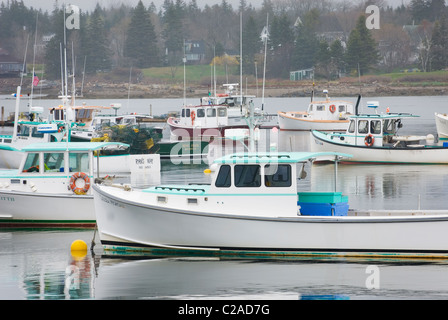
x,y
375,129
247,182
330,110
47,166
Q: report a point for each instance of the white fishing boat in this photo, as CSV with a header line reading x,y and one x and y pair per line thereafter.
x,y
374,138
27,130
322,115
442,125
217,113
253,207
82,126
52,186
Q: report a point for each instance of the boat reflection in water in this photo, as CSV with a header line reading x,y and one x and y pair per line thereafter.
x,y
42,267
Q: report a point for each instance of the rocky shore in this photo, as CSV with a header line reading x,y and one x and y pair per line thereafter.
x,y
102,90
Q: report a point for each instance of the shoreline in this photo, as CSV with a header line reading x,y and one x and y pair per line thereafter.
x,y
104,90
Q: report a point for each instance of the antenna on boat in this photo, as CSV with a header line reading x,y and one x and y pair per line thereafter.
x,y
34,62
357,104
264,37
241,56
184,60
83,74
129,88
312,90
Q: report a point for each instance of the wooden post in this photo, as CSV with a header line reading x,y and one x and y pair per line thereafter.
x,y
3,115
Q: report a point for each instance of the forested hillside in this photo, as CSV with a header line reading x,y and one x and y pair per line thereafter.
x,y
329,36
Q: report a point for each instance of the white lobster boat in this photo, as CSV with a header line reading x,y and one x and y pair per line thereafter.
x,y
215,114
321,115
51,186
27,132
374,138
253,208
442,125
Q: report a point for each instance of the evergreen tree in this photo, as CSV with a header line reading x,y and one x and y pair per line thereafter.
x,y
337,56
251,45
439,45
361,48
173,32
53,48
281,42
96,44
141,40
306,42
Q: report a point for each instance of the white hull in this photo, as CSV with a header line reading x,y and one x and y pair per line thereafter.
x,y
10,159
362,153
442,125
287,121
45,209
128,220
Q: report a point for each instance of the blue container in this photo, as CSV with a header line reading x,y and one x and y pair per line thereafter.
x,y
445,144
323,209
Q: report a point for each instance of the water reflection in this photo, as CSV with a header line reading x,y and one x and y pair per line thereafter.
x,y
33,270
191,278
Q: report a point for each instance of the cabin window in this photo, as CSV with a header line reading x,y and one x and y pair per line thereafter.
x,y
59,114
200,113
351,127
277,175
31,163
375,126
183,113
211,112
23,131
320,108
79,162
222,112
53,162
187,113
36,134
363,126
247,176
388,126
341,108
223,178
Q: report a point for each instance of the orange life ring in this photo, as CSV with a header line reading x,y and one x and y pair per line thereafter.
x,y
75,177
192,116
332,108
369,140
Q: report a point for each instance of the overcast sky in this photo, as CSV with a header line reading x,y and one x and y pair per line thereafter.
x,y
88,5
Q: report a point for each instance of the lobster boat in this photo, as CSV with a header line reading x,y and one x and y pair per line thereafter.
x,y
254,207
52,186
325,115
214,114
374,138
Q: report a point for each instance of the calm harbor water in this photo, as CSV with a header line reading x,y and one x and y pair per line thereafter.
x,y
37,264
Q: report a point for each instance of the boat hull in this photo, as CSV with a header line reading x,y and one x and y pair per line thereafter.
x,y
287,121
364,154
10,158
46,210
129,225
442,125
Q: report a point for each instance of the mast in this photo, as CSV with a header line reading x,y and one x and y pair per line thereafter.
x,y
34,62
265,50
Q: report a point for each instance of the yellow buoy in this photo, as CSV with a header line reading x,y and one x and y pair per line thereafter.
x,y
207,171
78,245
